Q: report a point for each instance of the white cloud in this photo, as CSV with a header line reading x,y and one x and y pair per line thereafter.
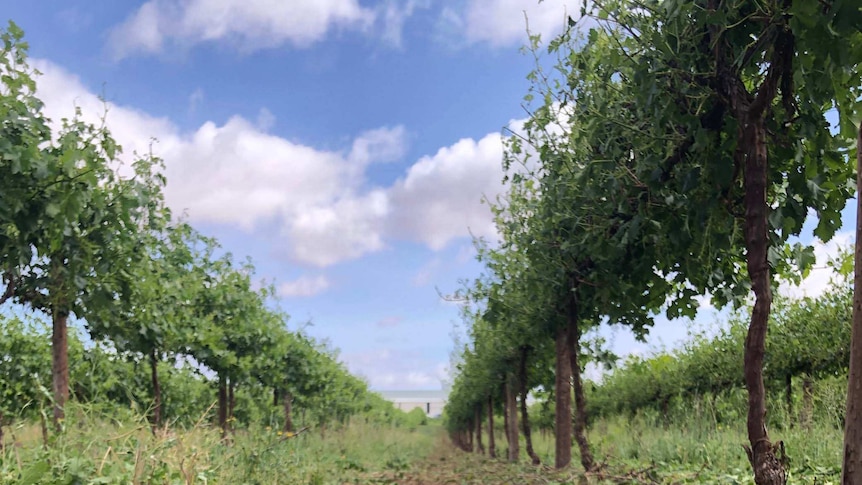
x,y
195,100
304,287
140,32
247,24
388,369
237,174
705,302
265,119
134,129
503,23
395,14
818,280
380,145
821,275
440,197
346,229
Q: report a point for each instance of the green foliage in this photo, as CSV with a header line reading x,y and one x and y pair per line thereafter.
x,y
25,168
416,417
84,235
809,338
113,448
673,149
25,358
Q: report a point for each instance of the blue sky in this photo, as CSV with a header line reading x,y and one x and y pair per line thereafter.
x,y
345,145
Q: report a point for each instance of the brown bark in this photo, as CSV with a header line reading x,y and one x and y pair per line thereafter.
x,y
287,403
851,472
222,405
512,425
492,452
788,398
157,391
505,414
525,419
455,436
768,469
751,156
231,403
480,448
574,337
563,400
470,437
2,442
60,364
807,402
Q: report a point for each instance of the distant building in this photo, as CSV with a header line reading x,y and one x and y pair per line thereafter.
x,y
430,402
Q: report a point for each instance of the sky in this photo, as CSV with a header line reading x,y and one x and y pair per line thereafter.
x,y
344,145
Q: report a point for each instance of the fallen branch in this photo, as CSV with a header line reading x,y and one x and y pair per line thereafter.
x,y
294,435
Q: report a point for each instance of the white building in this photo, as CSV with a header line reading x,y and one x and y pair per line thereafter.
x,y
430,402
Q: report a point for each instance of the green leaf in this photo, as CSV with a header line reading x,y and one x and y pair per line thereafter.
x,y
34,473
52,209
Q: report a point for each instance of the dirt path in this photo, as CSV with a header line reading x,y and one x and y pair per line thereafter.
x,y
448,465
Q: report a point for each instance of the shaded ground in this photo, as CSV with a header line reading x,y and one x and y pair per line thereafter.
x,y
448,465
97,449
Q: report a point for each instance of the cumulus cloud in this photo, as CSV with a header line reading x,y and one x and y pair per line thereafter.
x,y
821,275
62,92
389,369
395,14
195,100
247,24
347,229
503,23
304,286
265,119
387,144
250,25
440,197
238,174
819,278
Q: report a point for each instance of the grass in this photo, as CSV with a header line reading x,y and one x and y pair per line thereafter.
x,y
118,448
98,449
697,453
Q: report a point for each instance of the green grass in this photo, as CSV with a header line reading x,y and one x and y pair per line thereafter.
x,y
120,449
117,447
697,453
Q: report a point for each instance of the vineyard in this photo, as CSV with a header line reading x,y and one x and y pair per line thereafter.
x,y
675,152
153,329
